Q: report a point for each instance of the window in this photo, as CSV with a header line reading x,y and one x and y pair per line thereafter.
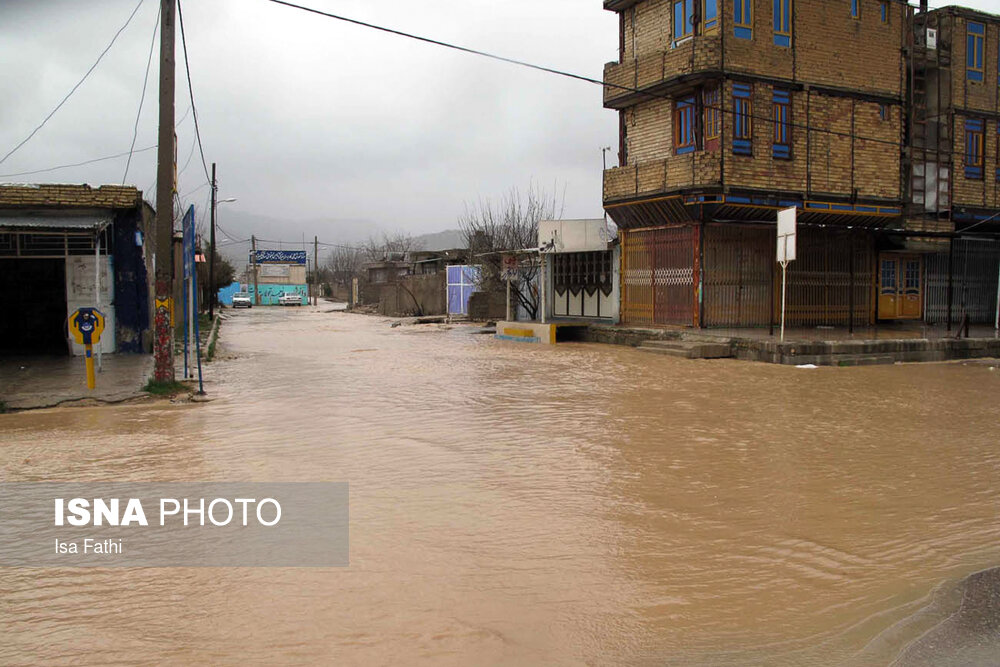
x,y
855,9
782,146
742,119
974,51
884,7
783,22
683,19
711,14
743,19
684,125
713,115
974,148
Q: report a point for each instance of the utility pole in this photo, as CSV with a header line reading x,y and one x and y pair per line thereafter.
x,y
315,270
253,264
163,345
211,256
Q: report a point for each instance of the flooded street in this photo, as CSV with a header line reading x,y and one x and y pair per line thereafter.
x,y
525,504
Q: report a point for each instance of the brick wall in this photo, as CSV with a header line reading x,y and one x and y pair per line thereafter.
x,y
830,47
82,196
973,95
983,192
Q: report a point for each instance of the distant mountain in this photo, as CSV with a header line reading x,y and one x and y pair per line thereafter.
x,y
445,240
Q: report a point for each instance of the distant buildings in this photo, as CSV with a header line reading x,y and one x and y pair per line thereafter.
x,y
878,122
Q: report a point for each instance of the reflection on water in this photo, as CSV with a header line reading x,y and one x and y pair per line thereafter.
x,y
517,504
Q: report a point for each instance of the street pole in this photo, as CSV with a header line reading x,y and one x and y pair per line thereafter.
x,y
163,346
211,255
315,270
253,264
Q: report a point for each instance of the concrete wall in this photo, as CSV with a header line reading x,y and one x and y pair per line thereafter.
x,y
80,293
411,295
485,306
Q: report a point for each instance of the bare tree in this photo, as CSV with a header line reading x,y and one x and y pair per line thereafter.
x,y
344,263
380,249
492,228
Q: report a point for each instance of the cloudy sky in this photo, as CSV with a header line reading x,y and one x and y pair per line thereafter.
x,y
311,118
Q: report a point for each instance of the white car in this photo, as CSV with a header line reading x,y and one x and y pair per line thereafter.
x,y
290,299
242,300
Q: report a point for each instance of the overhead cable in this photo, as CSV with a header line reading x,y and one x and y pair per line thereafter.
x,y
78,84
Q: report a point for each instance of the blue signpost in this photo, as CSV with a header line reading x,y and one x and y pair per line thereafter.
x,y
190,251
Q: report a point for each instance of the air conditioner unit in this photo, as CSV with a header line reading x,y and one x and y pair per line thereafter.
x,y
932,39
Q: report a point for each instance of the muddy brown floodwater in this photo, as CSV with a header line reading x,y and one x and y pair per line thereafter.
x,y
518,504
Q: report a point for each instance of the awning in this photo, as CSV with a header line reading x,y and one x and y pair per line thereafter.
x,y
67,223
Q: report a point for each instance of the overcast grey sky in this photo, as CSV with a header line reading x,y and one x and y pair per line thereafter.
x,y
311,118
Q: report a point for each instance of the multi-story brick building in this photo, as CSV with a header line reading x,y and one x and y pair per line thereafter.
x,y
732,109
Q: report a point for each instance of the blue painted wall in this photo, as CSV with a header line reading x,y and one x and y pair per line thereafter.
x,y
226,293
269,294
131,283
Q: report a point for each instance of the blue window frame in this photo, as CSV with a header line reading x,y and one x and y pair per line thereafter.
x,y
782,145
685,117
974,51
974,148
711,15
683,19
743,19
855,9
742,120
884,8
783,22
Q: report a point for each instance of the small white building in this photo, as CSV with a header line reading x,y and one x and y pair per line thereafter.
x,y
580,266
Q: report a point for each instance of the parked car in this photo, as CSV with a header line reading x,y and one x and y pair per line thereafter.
x,y
290,299
242,300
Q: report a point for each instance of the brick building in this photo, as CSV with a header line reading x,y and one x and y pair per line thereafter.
x,y
730,110
63,247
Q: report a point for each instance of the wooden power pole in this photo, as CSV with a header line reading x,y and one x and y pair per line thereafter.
x,y
163,335
253,264
212,292
315,270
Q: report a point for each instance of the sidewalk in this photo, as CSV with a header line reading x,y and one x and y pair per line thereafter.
x,y
38,382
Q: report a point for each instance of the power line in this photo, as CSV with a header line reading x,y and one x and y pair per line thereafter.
x,y
78,164
571,75
91,161
78,84
194,109
142,97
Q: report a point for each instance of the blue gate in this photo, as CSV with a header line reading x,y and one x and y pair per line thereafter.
x,y
461,284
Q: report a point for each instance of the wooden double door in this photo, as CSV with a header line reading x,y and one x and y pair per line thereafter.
x,y
900,286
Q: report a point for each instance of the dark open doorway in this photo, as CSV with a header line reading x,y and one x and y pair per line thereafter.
x,y
33,301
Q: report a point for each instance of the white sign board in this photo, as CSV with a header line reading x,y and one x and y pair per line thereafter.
x,y
786,235
573,235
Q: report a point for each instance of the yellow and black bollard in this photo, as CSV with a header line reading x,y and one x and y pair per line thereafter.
x,y
86,325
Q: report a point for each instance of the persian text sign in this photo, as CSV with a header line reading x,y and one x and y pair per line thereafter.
x,y
281,256
46,524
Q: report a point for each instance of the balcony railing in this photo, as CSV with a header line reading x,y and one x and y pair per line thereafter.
x,y
660,72
662,176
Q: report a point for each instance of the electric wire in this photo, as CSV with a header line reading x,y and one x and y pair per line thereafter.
x,y
142,97
194,109
78,164
578,77
78,84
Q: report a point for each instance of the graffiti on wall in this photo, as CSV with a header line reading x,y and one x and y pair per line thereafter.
x,y
269,294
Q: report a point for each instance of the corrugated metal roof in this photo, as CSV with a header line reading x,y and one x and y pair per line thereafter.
x,y
65,222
